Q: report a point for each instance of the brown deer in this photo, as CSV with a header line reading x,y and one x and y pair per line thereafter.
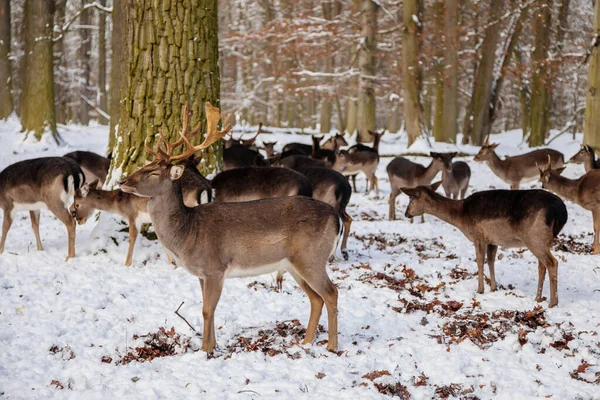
x,y
517,169
94,166
269,148
298,161
375,148
247,143
587,156
507,218
217,241
456,181
404,173
351,164
133,208
32,185
584,191
334,142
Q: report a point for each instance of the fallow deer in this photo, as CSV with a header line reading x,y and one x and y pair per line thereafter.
x,y
247,143
36,184
216,241
362,147
584,191
323,154
456,181
297,149
404,173
587,156
517,169
269,148
298,161
239,157
334,142
94,166
133,208
351,164
507,218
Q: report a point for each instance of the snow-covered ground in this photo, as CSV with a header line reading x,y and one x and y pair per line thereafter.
x,y
410,320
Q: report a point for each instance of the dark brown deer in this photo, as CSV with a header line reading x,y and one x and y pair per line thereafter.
x,y
587,157
297,149
456,181
322,154
404,173
94,166
133,208
32,185
298,161
269,148
217,241
517,169
247,143
362,147
507,218
584,191
240,157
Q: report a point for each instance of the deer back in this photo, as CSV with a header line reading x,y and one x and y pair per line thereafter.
x,y
94,166
328,186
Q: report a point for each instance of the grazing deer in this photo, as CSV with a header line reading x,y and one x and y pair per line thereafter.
x,y
217,241
517,169
351,164
507,218
404,173
133,208
456,181
32,185
254,183
584,191
375,148
587,156
94,166
334,142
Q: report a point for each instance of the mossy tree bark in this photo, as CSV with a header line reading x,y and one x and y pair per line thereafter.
x,y
6,100
412,74
478,111
367,66
438,71
85,47
102,98
118,69
540,90
591,128
37,99
172,59
450,88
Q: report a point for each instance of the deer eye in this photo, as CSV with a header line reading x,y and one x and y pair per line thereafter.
x,y
76,205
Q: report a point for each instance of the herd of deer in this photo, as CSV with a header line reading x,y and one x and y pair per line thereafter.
x,y
254,219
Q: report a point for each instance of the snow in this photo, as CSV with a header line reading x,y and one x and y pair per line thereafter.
x,y
59,319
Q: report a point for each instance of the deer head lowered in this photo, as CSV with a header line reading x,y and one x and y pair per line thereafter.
x,y
216,241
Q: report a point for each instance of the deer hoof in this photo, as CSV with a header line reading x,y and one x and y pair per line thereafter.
x,y
539,299
595,249
553,303
480,291
345,254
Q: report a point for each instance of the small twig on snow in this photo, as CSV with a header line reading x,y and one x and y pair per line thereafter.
x,y
183,318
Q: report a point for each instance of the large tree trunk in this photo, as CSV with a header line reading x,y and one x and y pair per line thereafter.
x,y
450,89
37,101
6,100
60,65
85,47
540,90
102,101
366,63
411,69
173,59
478,112
591,128
119,69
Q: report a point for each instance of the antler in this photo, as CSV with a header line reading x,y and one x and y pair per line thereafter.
x,y
253,138
548,166
213,115
486,141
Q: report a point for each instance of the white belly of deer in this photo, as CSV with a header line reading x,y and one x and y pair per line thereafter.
x,y
237,271
17,207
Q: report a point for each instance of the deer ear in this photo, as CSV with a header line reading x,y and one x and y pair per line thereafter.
x,y
413,193
494,145
434,155
176,172
560,170
84,190
435,186
94,183
453,154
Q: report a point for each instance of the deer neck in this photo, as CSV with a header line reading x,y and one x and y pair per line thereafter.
x,y
565,187
589,162
376,142
430,173
497,165
105,200
447,210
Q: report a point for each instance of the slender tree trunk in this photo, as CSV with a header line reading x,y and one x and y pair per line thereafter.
x,y
102,98
173,59
411,69
591,129
450,74
37,100
366,62
85,47
540,91
351,115
523,94
119,69
479,111
60,66
6,100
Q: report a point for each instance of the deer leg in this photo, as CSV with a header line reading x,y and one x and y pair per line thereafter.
x,y
553,272
66,218
170,258
354,183
6,223
596,245
462,193
374,185
480,258
514,186
279,281
35,224
316,308
213,287
491,258
422,218
547,260
392,203
347,220
541,279
133,234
